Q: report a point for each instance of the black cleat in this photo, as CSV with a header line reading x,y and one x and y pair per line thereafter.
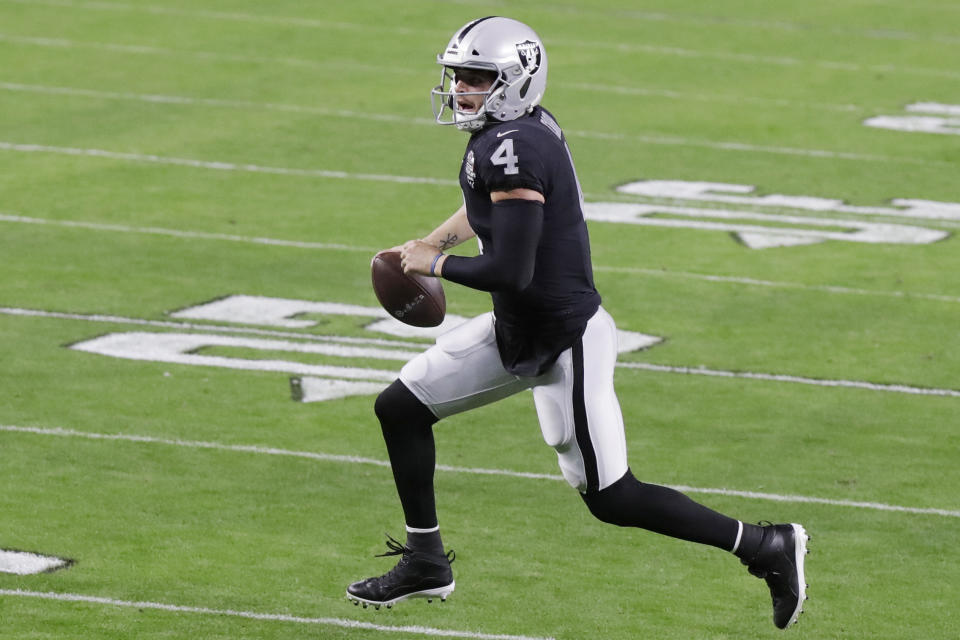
x,y
779,561
417,575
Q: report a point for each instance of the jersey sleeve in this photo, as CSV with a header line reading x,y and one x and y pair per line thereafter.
x,y
513,160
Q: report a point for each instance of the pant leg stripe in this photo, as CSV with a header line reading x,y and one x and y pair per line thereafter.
x,y
581,428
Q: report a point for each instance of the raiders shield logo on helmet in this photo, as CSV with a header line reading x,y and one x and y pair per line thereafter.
x,y
529,53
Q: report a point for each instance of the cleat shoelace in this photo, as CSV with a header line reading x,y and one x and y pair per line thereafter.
x,y
396,548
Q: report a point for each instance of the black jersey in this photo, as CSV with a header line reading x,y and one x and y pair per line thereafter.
x,y
536,324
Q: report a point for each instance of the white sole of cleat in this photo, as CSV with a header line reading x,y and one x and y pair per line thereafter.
x,y
429,594
800,538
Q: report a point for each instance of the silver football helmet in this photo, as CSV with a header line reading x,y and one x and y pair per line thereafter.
x,y
510,49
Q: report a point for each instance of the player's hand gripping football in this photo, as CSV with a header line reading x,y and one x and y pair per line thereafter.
x,y
416,256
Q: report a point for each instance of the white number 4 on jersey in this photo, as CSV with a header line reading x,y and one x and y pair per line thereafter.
x,y
504,156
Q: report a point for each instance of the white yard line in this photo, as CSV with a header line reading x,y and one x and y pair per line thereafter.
x,y
220,165
649,92
234,16
327,457
648,139
152,98
780,25
199,235
754,282
746,147
659,16
272,617
750,58
113,47
312,23
775,377
368,342
192,235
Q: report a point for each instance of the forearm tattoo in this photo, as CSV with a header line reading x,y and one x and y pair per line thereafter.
x,y
448,242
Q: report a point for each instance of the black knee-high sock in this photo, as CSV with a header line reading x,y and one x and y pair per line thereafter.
x,y
631,503
407,426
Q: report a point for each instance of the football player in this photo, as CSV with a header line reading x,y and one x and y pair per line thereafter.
x,y
547,332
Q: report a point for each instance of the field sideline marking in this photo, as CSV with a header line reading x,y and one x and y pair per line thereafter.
x,y
664,50
277,617
200,235
328,457
644,366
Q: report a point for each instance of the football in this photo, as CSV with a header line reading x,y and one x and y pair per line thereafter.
x,y
414,299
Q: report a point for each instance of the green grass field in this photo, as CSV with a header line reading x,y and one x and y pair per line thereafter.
x,y
156,156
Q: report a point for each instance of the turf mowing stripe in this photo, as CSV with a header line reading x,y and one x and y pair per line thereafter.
x,y
328,457
199,235
274,617
620,47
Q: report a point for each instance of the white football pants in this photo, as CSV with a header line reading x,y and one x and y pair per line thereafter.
x,y
575,400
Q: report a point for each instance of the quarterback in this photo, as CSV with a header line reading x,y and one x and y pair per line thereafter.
x,y
547,332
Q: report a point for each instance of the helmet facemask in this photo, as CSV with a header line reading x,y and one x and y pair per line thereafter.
x,y
443,97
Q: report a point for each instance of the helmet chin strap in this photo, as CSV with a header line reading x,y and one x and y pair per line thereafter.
x,y
491,103
471,124
482,117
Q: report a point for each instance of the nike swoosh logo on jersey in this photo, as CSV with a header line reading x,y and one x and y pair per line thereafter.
x,y
503,133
